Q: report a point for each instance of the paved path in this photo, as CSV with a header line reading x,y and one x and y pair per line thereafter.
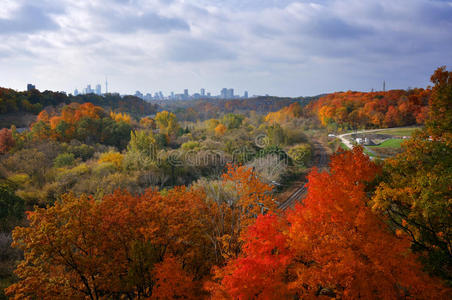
x,y
348,143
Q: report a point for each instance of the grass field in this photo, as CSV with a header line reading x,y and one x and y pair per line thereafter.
x,y
342,145
407,131
391,143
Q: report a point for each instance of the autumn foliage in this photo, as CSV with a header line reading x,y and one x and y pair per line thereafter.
x,y
6,140
331,245
285,114
121,117
415,192
158,244
63,126
375,109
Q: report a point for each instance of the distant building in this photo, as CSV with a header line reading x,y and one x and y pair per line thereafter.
x,y
245,95
208,94
31,87
88,89
203,92
230,93
138,94
186,93
148,97
98,89
224,93
76,92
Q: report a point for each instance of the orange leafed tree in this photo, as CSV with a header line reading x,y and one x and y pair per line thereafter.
x,y
81,248
331,245
121,117
220,129
159,244
6,140
63,126
285,114
374,109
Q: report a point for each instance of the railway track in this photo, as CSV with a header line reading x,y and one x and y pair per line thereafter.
x,y
320,161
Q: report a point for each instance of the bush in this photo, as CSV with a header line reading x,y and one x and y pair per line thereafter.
x,y
190,145
11,208
300,154
82,151
112,157
64,159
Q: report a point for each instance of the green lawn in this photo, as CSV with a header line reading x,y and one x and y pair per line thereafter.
x,y
391,143
342,145
407,131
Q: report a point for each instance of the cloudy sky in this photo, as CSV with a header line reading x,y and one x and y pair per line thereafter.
x,y
279,47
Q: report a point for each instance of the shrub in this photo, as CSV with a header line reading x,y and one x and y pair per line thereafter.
x,y
64,159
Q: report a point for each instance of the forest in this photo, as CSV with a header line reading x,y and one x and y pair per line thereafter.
x,y
117,198
354,110
33,102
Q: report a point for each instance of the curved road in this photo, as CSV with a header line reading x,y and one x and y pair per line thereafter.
x,y
347,142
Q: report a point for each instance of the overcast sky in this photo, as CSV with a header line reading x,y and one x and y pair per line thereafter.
x,y
279,47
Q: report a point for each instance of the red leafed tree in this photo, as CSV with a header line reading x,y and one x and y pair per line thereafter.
x,y
261,271
6,140
173,282
331,245
113,249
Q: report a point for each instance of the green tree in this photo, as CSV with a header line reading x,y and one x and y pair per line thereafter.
x,y
276,135
167,123
64,159
415,191
232,121
300,154
11,208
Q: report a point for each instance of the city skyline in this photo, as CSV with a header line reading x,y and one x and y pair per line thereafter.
x,y
225,93
282,48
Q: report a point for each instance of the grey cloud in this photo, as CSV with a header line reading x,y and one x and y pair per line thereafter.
x,y
28,19
197,50
336,28
149,21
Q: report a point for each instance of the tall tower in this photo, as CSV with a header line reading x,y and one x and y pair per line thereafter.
x,y
106,85
384,86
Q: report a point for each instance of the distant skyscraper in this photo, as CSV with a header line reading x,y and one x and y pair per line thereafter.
x,y
384,86
106,85
230,93
30,87
172,95
224,93
88,89
208,94
139,94
203,92
186,92
76,92
98,89
245,95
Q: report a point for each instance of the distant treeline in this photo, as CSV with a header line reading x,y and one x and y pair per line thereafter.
x,y
351,110
213,108
34,101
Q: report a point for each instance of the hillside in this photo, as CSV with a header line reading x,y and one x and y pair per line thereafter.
x,y
19,108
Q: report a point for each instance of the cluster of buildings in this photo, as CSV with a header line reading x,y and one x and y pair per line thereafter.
x,y
224,94
88,90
